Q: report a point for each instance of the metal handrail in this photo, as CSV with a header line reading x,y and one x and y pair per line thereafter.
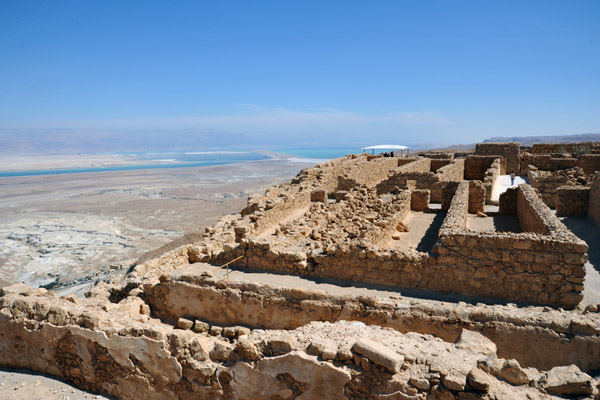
x,y
226,265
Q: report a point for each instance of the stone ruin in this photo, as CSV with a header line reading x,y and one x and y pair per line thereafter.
x,y
364,277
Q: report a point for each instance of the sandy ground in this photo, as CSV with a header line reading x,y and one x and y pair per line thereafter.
x,y
422,234
76,227
26,385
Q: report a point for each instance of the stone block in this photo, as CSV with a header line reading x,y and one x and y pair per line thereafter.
x,y
379,354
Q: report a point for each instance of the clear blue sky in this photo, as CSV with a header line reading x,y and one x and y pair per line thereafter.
x,y
452,71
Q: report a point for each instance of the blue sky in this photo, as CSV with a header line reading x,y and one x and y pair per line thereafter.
x,y
326,71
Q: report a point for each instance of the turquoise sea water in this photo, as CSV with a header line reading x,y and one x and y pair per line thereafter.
x,y
173,160
156,160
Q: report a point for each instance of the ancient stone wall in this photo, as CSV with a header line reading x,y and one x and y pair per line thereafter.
x,y
590,163
519,264
452,172
115,349
524,334
438,163
476,166
437,155
485,169
424,179
594,202
573,200
508,202
509,151
572,148
548,182
477,196
419,199
417,166
458,211
311,246
368,173
534,216
489,180
548,163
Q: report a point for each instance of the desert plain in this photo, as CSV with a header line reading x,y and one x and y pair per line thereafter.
x,y
81,227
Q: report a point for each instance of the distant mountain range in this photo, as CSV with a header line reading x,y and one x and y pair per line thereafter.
x,y
531,140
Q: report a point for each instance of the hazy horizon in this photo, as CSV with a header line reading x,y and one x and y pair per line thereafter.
x,y
298,73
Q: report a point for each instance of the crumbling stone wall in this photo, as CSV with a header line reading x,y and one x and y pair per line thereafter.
x,y
438,163
525,334
548,182
594,202
368,173
510,152
572,148
435,155
328,237
485,169
572,200
549,163
424,179
116,350
590,163
477,196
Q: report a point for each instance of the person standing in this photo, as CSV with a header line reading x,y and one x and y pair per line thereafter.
x,y
512,178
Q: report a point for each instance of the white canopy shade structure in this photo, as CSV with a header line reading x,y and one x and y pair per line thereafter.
x,y
387,147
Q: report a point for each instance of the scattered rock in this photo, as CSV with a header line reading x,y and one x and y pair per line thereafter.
x,y
475,341
281,345
185,323
248,350
200,326
568,381
455,382
479,380
223,351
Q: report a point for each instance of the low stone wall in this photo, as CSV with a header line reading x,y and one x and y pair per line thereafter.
x,y
452,172
546,184
525,334
509,151
594,204
489,180
514,265
549,163
572,200
116,349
